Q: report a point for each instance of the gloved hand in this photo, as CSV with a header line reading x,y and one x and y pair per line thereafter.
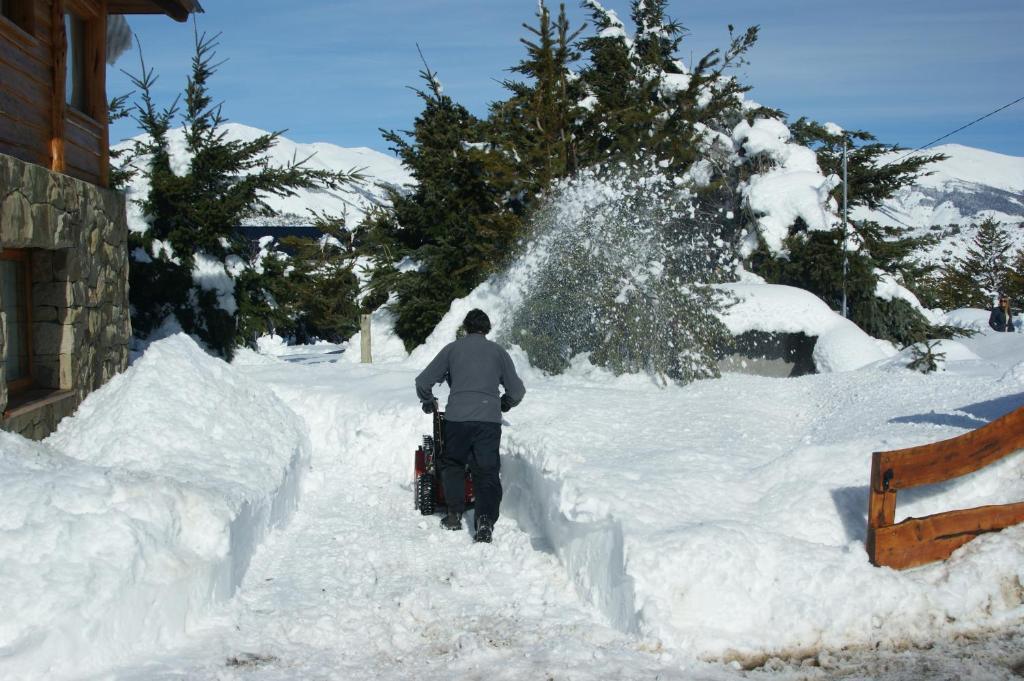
x,y
427,407
506,403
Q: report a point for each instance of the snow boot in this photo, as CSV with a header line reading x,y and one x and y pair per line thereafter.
x,y
452,521
484,527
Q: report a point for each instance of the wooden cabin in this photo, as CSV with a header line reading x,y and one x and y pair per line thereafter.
x,y
64,317
53,60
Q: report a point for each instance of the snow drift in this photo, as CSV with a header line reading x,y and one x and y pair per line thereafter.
x,y
120,531
841,345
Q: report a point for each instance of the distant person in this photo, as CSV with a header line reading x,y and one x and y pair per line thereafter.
x,y
474,368
1001,319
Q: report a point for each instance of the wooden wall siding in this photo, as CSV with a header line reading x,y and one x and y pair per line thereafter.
x,y
96,77
25,73
916,541
59,52
82,142
36,125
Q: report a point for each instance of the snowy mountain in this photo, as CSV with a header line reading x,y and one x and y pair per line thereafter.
x,y
381,170
969,186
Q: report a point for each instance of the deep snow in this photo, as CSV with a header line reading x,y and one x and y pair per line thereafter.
x,y
139,516
680,532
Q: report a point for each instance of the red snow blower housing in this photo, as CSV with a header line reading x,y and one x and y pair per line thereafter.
x,y
428,488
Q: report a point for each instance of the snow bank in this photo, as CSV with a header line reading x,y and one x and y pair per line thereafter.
x,y
121,530
773,308
272,345
592,550
968,318
736,533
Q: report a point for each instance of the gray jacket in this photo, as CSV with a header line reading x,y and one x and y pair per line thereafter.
x,y
474,368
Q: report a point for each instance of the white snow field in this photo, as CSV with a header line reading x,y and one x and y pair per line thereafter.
x,y
713,531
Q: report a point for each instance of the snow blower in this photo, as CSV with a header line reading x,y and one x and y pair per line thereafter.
x,y
428,488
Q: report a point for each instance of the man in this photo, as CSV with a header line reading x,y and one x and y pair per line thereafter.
x,y
1001,319
474,368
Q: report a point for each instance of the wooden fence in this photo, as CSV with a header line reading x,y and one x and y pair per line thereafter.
x,y
917,541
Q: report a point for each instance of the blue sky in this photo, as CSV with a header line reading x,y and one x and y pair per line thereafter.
x,y
337,70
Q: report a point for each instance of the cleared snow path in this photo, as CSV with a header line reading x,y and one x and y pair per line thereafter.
x,y
360,586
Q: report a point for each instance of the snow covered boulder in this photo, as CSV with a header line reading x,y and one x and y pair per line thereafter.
x,y
771,308
123,528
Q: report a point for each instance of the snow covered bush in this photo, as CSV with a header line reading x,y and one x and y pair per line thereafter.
x,y
925,357
795,194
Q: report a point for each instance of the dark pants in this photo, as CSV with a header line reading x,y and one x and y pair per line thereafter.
x,y
475,443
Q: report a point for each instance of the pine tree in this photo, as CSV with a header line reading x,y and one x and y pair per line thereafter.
x,y
460,222
191,263
537,124
122,169
646,103
313,284
646,122
815,260
1014,286
982,273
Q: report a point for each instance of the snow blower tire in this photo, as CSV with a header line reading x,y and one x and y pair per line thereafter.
x,y
425,494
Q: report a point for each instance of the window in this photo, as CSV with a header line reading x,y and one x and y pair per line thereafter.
x,y
74,83
21,12
15,294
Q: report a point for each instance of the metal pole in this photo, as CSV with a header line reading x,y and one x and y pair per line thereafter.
x,y
846,254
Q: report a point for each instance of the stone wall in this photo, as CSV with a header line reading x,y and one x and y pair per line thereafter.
x,y
77,236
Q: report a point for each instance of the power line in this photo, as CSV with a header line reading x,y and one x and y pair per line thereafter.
x,y
962,127
889,214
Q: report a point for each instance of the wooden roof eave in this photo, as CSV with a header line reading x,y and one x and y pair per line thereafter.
x,y
176,9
